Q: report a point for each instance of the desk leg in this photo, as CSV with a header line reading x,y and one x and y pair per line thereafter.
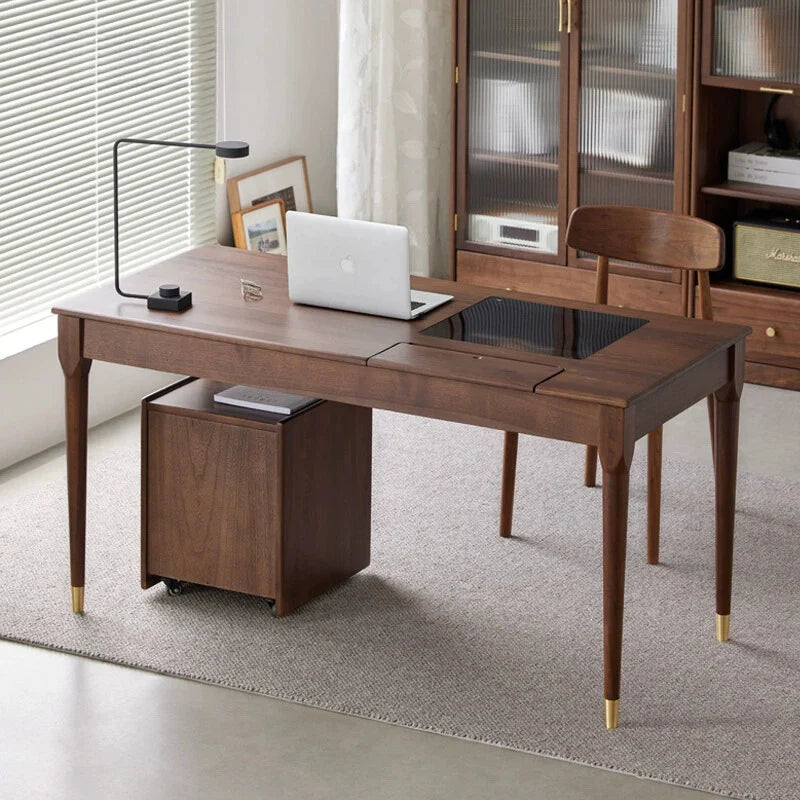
x,y
726,450
616,454
76,378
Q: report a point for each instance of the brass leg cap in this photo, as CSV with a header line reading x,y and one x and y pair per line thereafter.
x,y
723,627
77,599
612,714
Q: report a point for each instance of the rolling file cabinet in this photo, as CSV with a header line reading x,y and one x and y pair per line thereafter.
x,y
253,502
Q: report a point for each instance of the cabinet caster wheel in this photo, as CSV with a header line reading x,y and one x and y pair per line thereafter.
x,y
175,588
271,606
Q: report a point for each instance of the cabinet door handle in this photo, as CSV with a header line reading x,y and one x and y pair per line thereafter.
x,y
569,16
771,333
560,15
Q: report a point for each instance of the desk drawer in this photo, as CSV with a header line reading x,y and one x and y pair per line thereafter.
x,y
775,322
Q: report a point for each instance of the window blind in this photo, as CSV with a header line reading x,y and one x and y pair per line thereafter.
x,y
75,75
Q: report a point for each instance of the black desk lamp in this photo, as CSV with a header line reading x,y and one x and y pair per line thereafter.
x,y
169,297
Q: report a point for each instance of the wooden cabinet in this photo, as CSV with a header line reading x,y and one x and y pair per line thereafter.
x,y
628,119
561,103
564,103
749,56
514,97
272,506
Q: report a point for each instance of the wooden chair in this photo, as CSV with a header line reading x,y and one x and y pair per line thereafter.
x,y
642,236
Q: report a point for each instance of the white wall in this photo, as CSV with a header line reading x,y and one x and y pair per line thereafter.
x,y
32,404
277,89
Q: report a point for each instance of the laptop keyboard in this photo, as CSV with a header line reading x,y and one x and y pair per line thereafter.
x,y
415,305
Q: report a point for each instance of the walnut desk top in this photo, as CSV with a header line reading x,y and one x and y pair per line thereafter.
x,y
658,370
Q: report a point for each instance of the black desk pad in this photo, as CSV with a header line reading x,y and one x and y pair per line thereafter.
x,y
535,327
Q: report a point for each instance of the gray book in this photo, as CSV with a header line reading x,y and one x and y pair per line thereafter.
x,y
263,399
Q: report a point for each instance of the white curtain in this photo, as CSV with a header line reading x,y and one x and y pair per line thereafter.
x,y
394,149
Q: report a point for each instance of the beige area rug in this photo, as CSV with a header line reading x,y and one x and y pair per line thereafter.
x,y
455,631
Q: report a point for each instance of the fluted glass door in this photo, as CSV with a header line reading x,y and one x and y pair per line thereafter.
x,y
757,40
626,103
513,192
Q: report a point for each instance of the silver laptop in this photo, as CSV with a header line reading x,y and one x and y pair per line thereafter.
x,y
354,266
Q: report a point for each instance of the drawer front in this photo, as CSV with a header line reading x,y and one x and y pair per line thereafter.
x,y
212,503
775,323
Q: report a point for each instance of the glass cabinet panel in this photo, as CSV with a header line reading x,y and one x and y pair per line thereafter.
x,y
514,49
629,58
757,40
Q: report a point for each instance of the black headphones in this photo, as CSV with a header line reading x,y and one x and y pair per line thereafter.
x,y
775,129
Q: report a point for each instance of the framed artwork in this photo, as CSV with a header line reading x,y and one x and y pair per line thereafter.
x,y
261,228
285,180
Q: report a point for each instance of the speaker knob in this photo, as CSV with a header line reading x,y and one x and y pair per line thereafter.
x,y
772,333
169,290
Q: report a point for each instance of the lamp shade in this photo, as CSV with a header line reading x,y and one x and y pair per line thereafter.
x,y
232,149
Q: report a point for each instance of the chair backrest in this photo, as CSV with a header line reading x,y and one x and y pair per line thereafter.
x,y
645,236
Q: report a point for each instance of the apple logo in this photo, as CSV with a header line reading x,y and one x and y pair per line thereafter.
x,y
347,265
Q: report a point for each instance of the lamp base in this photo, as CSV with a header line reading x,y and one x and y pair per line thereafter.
x,y
180,302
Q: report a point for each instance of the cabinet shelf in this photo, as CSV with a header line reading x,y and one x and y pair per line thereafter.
x,y
592,165
591,66
754,191
606,168
516,159
516,58
747,289
751,84
636,72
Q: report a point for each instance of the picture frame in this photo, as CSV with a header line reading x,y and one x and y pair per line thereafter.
x,y
261,228
285,180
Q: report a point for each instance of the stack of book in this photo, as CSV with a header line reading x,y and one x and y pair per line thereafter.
x,y
759,163
264,400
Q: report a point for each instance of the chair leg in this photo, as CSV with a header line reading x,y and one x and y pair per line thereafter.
x,y
590,474
509,480
654,451
711,425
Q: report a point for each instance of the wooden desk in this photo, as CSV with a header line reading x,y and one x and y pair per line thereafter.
x,y
610,399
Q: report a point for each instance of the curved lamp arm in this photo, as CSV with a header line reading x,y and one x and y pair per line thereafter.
x,y
179,301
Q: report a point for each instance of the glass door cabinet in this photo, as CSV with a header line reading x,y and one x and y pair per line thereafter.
x,y
565,103
628,117
515,163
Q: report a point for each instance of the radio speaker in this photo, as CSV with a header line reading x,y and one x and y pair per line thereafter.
x,y
767,250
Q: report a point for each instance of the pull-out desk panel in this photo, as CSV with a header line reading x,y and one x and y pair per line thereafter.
x,y
501,372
